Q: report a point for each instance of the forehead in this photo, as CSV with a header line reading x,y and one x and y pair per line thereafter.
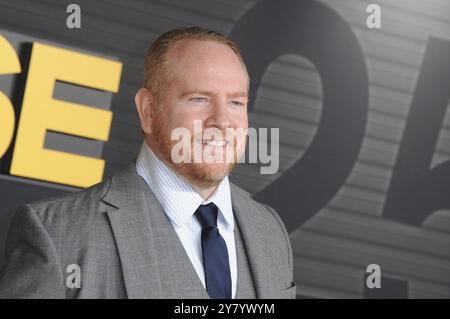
x,y
196,60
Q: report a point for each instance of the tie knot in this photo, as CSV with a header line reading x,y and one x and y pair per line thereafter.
x,y
207,215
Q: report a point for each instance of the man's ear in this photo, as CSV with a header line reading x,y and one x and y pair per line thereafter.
x,y
145,101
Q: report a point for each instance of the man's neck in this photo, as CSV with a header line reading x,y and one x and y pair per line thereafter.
x,y
205,192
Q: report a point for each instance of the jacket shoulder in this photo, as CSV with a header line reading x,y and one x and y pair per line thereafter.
x,y
82,200
265,212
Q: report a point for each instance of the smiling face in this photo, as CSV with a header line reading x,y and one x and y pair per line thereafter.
x,y
206,82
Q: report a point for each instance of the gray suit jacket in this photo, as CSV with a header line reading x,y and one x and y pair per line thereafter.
x,y
119,236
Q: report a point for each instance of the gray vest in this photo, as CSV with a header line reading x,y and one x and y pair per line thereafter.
x,y
245,288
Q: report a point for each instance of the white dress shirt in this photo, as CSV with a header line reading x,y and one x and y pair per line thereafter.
x,y
180,201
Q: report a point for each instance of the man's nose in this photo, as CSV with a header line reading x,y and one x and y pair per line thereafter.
x,y
219,117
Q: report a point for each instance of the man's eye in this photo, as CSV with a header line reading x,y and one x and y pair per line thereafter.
x,y
237,103
198,99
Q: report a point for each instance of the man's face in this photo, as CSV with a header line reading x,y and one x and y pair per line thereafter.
x,y
206,83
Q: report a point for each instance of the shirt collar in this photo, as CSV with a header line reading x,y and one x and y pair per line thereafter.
x,y
177,197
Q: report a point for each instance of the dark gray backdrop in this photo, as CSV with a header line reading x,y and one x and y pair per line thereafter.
x,y
363,116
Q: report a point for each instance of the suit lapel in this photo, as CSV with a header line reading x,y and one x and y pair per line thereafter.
x,y
253,234
178,276
245,283
132,232
154,262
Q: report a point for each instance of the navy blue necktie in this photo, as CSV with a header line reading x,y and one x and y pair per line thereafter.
x,y
215,254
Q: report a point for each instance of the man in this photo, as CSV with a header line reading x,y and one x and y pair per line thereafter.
x,y
162,228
